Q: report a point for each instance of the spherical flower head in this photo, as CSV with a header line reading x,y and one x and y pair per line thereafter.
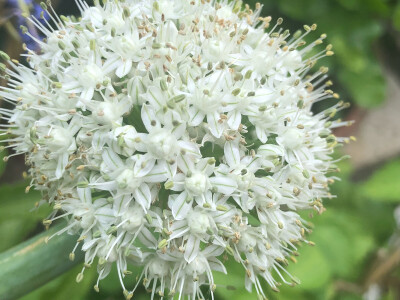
x,y
160,128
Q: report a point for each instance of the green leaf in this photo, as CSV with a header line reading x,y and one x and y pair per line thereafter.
x,y
35,262
65,287
333,242
350,4
343,241
359,242
396,17
384,185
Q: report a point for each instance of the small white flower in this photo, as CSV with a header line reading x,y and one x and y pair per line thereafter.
x,y
162,144
292,138
197,183
132,218
198,222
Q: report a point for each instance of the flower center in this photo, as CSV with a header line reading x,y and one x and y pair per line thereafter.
x,y
61,139
91,75
197,267
161,144
197,183
107,113
245,179
134,216
87,219
158,267
128,180
246,242
292,138
198,222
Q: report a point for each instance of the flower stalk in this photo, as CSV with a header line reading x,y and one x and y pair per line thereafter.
x,y
34,262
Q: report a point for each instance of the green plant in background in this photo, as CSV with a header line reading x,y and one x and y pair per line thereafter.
x,y
355,226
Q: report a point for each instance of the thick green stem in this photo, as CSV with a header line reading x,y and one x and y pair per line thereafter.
x,y
33,263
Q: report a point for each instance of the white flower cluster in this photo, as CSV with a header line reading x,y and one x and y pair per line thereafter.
x,y
173,134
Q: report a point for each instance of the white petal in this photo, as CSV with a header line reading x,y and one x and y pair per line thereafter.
x,y
178,229
224,215
121,203
190,148
185,163
252,163
61,164
177,131
136,88
111,64
192,248
124,68
105,216
213,250
149,118
88,244
216,265
143,196
261,134
105,270
234,119
170,31
87,94
224,185
99,139
232,155
171,169
112,160
196,116
179,182
143,165
179,206
155,97
85,195
147,238
269,150
72,86
140,146
157,174
248,282
216,128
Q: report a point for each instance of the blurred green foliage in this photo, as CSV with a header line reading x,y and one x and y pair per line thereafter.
x,y
17,220
384,184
